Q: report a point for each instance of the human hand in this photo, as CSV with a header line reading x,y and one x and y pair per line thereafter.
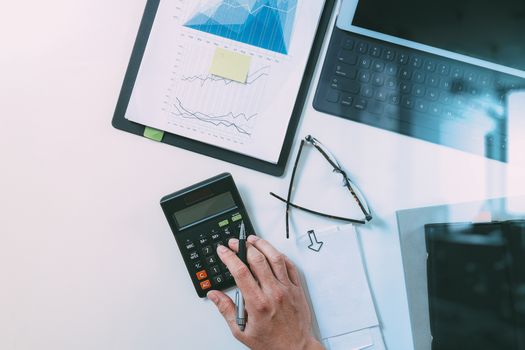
x,y
278,315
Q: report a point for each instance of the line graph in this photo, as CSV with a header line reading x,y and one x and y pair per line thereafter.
x,y
210,78
228,120
267,24
200,104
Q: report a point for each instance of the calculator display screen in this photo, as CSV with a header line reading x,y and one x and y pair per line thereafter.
x,y
204,209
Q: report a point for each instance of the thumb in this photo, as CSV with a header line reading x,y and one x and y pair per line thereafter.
x,y
227,309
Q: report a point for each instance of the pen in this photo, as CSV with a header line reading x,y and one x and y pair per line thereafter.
x,y
239,300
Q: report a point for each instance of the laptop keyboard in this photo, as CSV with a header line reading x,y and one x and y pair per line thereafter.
x,y
417,94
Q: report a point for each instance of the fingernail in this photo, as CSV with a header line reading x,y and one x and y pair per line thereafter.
x,y
221,249
233,240
253,238
213,297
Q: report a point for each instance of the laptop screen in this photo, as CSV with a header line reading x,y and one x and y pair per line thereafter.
x,y
490,30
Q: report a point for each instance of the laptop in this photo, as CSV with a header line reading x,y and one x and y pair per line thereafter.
x,y
440,71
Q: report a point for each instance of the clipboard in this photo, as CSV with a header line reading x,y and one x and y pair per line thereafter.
x,y
120,122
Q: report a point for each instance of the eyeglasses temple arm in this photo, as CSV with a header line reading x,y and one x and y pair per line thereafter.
x,y
290,188
316,212
337,168
368,216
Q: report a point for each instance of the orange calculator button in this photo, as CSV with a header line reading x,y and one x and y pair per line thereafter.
x,y
206,284
201,275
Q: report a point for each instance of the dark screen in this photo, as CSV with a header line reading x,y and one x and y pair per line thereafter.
x,y
489,30
476,285
204,209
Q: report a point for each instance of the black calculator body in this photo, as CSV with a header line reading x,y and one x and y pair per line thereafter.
x,y
201,217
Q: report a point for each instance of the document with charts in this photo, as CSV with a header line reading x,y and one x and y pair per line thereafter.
x,y
226,72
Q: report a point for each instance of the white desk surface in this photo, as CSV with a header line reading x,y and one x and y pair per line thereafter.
x,y
87,260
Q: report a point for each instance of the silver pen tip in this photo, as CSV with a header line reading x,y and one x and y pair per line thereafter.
x,y
242,233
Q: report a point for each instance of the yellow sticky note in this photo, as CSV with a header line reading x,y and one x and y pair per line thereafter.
x,y
230,65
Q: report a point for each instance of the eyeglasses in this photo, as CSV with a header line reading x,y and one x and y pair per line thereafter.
x,y
337,168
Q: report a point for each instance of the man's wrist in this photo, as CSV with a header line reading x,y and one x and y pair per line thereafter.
x,y
313,344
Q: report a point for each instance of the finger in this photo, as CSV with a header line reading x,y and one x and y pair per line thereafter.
x,y
258,264
240,272
292,271
274,257
227,309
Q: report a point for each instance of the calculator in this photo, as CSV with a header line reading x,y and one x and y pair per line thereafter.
x,y
201,217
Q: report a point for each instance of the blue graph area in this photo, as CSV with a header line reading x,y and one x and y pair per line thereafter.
x,y
266,24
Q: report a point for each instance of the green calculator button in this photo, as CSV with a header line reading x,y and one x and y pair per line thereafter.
x,y
223,223
236,217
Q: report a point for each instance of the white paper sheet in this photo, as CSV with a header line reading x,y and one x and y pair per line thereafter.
x,y
365,339
339,290
176,92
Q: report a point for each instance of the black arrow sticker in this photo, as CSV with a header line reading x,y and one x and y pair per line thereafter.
x,y
315,245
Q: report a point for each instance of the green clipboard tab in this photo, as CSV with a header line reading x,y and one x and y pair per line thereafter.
x,y
153,134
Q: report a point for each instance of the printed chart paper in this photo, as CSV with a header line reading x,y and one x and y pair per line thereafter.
x,y
241,100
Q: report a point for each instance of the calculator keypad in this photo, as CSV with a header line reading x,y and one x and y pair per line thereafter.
x,y
200,247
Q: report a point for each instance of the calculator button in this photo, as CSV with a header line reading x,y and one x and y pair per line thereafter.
x,y
203,239
194,256
215,236
236,217
218,279
224,223
190,245
207,250
228,275
205,285
211,260
227,231
216,244
201,275
197,265
215,270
